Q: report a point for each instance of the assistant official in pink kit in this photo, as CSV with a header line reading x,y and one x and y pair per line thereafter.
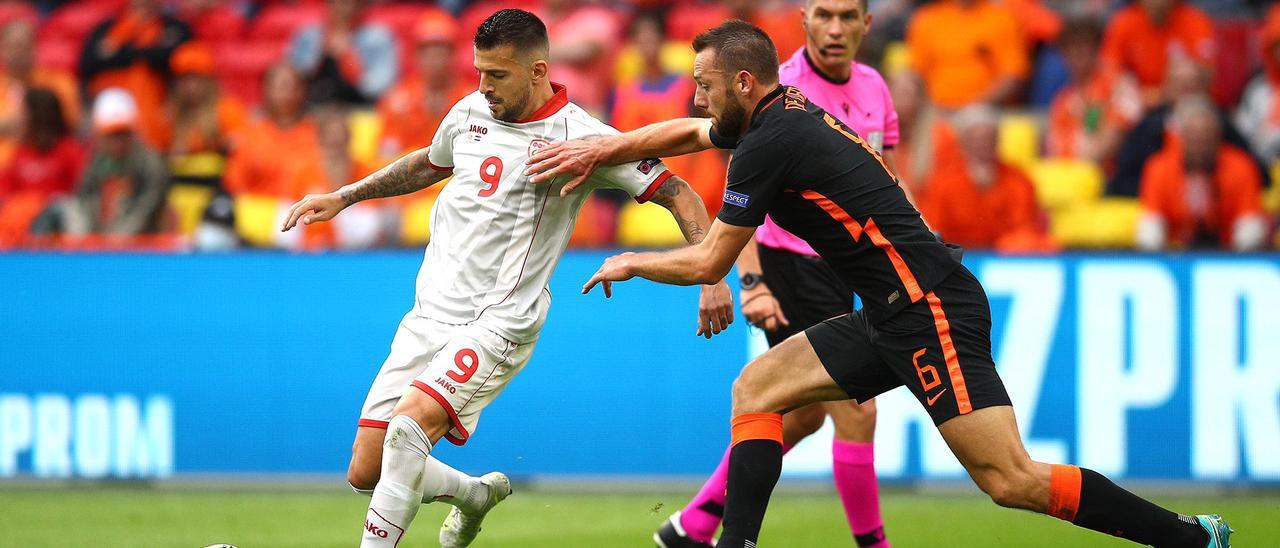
x,y
787,288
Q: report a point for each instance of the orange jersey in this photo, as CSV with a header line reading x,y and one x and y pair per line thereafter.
x,y
1135,44
961,51
1079,113
1235,191
971,216
410,114
273,161
230,118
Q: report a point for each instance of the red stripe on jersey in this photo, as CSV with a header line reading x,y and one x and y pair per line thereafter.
x,y
653,187
438,168
949,354
872,231
453,415
552,106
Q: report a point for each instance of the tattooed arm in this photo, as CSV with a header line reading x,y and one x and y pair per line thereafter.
x,y
411,173
715,304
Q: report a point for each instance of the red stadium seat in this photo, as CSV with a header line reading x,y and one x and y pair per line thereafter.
x,y
1237,57
18,10
401,19
216,25
240,66
76,20
687,20
58,53
280,21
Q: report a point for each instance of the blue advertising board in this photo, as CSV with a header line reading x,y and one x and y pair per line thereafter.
x,y
1139,366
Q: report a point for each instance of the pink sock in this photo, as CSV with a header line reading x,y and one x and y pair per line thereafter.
x,y
855,476
702,516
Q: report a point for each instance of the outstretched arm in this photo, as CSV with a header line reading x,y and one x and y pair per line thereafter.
x,y
704,263
579,158
715,304
411,173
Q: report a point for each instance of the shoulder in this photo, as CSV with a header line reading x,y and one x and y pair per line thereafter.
x,y
793,69
1236,157
1126,18
1187,14
869,76
580,123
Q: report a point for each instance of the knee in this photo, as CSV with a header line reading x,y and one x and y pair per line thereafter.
x,y
803,422
1010,486
363,478
746,395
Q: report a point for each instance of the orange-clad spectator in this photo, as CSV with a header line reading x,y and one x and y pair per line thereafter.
x,y
202,122
1199,191
124,183
782,21
272,154
411,111
1142,36
1258,115
986,203
583,39
19,72
132,52
926,142
659,95
345,58
1089,117
47,164
1040,24
365,226
968,51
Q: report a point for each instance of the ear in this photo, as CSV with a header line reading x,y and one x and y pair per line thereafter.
x,y
743,83
540,69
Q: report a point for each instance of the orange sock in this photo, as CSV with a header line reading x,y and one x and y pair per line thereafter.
x,y
1064,491
756,426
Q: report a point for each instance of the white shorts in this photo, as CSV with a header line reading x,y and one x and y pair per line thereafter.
x,y
463,367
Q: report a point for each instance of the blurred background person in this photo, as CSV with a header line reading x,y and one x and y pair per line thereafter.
x,y
1186,78
1090,116
46,165
1258,116
367,222
20,72
968,51
1144,36
131,51
584,38
202,121
987,203
1199,191
410,113
925,138
275,150
124,184
345,59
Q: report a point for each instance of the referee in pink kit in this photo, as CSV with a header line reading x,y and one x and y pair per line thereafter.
x,y
787,287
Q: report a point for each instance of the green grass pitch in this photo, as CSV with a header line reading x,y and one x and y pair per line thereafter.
x,y
123,516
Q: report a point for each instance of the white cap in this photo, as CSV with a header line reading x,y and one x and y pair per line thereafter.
x,y
114,110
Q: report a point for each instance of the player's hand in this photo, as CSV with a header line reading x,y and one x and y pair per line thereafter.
x,y
314,208
762,310
615,269
715,309
577,159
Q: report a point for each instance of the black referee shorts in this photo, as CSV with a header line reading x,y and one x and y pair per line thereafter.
x,y
939,347
807,289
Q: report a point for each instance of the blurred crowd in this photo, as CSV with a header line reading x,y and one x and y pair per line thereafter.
x,y
1026,125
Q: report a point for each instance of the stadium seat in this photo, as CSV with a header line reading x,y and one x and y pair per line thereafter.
x,y
1064,183
241,65
58,53
365,128
1019,139
688,19
188,203
415,220
74,21
10,11
279,22
1109,223
647,225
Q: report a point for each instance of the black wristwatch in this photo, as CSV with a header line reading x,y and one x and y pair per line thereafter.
x,y
750,280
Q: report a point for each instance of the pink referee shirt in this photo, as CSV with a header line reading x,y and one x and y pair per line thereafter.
x,y
862,103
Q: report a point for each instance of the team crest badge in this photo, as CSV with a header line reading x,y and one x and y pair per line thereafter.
x,y
536,145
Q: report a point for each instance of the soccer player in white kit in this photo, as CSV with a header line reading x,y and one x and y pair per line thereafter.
x,y
482,291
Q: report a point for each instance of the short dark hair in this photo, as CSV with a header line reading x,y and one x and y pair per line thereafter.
x,y
513,27
1081,30
739,45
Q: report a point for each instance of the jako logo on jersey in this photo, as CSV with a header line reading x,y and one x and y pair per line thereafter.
x,y
479,129
377,531
536,145
645,166
736,198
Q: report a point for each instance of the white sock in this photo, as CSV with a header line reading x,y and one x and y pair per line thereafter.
x,y
399,492
455,488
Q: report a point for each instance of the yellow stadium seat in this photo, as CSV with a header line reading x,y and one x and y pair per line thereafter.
x,y
415,221
647,225
676,58
188,202
1019,139
1271,197
1106,223
1064,183
897,58
256,218
366,131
